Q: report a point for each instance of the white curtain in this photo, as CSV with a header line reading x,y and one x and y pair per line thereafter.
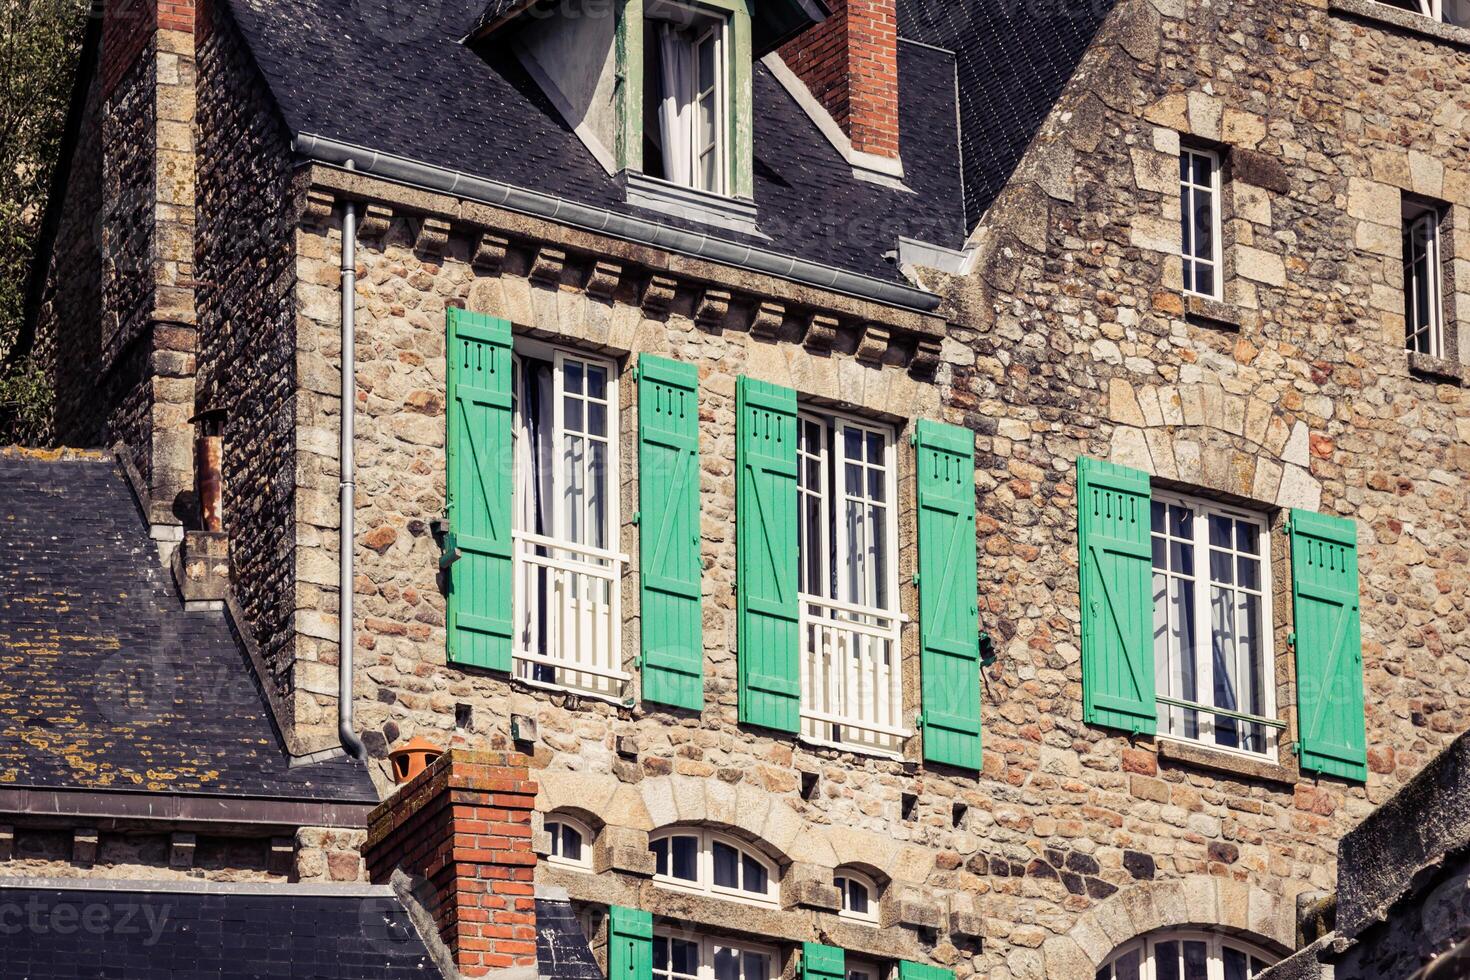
x,y
675,112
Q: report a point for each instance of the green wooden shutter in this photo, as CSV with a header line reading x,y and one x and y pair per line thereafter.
x,y
909,970
1115,563
949,626
1329,654
820,962
766,555
629,944
480,483
668,502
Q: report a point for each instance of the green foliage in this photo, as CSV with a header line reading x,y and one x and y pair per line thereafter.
x,y
40,41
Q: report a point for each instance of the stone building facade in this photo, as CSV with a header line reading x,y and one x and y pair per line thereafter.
x,y
1059,328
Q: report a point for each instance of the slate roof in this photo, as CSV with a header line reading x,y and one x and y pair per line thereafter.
x,y
106,683
1014,58
347,71
226,931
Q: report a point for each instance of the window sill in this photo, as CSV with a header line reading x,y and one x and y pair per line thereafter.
x,y
1436,369
1210,312
729,213
1404,20
1201,757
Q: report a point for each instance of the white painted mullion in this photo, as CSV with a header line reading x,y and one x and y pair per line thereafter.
x,y
1204,636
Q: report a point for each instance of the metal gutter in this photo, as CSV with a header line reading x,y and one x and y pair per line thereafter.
x,y
347,487
641,231
179,808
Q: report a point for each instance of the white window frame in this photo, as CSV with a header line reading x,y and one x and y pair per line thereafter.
x,y
854,877
1433,9
704,864
878,724
1426,217
707,946
1215,944
583,863
1189,193
1204,627
860,968
595,672
706,25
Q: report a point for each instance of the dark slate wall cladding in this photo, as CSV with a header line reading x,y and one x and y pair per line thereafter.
x,y
54,934
246,256
113,685
1014,58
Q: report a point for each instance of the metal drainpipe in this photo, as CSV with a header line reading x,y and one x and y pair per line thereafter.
x,y
347,524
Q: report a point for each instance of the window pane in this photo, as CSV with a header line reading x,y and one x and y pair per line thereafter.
x,y
727,865
1247,537
1181,557
573,376
1156,513
686,957
755,875
660,954
875,448
1181,521
1182,646
661,856
1160,545
876,485
1235,965
571,843
1202,167
878,518
596,382
1195,960
1126,966
1220,528
596,419
1204,279
1220,570
686,858
857,898
572,414
1248,572
1223,664
597,497
757,966
727,964
1166,961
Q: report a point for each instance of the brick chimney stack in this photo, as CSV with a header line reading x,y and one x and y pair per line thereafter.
x,y
850,64
464,826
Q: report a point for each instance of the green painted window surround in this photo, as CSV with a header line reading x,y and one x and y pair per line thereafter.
x,y
631,37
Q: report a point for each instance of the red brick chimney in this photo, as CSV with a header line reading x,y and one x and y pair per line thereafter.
x,y
464,826
850,63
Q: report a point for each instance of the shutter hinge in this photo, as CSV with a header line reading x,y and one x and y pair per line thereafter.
x,y
916,578
1291,639
637,517
919,720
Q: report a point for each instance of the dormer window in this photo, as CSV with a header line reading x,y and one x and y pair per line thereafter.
x,y
686,115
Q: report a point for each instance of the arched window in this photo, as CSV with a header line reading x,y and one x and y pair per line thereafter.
x,y
571,842
696,859
859,895
1186,956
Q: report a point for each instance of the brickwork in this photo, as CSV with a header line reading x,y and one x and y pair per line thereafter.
x,y
464,825
850,63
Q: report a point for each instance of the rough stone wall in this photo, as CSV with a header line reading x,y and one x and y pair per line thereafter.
x,y
1417,933
1072,337
246,260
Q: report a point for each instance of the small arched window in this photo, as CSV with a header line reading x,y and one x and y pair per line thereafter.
x,y
696,859
859,895
571,842
1185,956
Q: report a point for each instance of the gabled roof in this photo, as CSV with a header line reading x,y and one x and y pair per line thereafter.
x,y
106,683
1014,59
425,96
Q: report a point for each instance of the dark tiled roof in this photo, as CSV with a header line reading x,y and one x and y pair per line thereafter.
x,y
1014,59
105,682
561,948
139,932
425,96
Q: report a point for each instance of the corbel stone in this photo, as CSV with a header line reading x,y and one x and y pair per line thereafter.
x,y
925,362
375,221
810,886
282,859
658,295
433,236
874,344
490,253
918,914
623,849
84,846
966,925
181,850
821,333
319,206
713,306
547,267
604,280
767,320
7,842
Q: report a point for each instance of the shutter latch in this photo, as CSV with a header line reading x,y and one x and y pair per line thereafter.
x,y
439,527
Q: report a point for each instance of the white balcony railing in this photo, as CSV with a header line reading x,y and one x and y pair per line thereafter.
x,y
851,678
569,615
